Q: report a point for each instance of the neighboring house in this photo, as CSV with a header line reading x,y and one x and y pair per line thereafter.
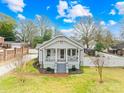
x,y
9,44
1,41
118,49
61,54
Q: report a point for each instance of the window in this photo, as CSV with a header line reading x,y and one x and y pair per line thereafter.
x,y
48,52
73,52
69,52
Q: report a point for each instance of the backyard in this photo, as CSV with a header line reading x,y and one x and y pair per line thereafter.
x,y
29,80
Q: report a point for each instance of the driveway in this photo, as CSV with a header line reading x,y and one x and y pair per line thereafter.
x,y
4,69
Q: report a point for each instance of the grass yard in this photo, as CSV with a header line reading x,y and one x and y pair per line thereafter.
x,y
29,80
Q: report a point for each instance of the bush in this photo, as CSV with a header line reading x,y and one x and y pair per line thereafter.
x,y
48,69
36,64
74,68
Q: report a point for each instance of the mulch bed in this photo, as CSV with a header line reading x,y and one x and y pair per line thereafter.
x,y
57,75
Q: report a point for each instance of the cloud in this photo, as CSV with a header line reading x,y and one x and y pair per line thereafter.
x,y
70,32
112,22
79,11
102,23
71,12
47,8
63,5
112,12
15,5
21,17
66,30
68,20
37,15
74,2
120,7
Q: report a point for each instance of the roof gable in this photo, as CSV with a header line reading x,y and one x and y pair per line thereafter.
x,y
60,38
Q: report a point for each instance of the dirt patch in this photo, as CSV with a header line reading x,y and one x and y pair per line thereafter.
x,y
27,74
57,75
40,74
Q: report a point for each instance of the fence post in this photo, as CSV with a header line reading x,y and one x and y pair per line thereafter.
x,y
22,50
14,52
27,50
5,54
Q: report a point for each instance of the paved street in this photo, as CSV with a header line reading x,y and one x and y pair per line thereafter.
x,y
111,61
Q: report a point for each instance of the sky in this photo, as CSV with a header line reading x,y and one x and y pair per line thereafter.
x,y
64,13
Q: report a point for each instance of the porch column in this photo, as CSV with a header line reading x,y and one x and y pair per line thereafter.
x,y
44,55
66,55
56,55
67,61
55,69
78,55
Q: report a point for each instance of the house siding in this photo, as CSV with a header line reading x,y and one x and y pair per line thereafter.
x,y
60,43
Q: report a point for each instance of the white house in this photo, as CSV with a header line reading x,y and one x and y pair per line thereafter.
x,y
60,54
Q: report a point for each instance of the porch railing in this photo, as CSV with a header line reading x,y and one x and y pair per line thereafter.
x,y
50,59
70,59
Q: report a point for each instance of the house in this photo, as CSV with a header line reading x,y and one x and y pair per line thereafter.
x,y
11,44
61,54
117,49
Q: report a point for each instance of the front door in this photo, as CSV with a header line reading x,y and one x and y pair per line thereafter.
x,y
61,55
61,68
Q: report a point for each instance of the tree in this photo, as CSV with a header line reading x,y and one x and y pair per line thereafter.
x,y
39,39
26,31
104,36
7,26
47,35
99,63
122,29
99,46
43,23
108,39
86,29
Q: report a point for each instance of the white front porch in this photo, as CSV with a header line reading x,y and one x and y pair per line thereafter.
x,y
61,55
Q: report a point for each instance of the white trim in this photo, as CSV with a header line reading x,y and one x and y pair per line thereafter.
x,y
75,43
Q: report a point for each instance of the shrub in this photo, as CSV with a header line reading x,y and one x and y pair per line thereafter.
x,y
48,69
73,68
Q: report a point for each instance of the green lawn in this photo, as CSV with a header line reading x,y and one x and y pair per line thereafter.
x,y
30,81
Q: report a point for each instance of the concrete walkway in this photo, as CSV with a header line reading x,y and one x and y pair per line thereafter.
x,y
4,69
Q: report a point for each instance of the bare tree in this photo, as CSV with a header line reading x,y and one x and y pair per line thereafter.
x,y
42,23
26,31
108,39
104,36
122,29
86,28
99,63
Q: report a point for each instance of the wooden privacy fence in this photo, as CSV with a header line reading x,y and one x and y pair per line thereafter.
x,y
7,54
